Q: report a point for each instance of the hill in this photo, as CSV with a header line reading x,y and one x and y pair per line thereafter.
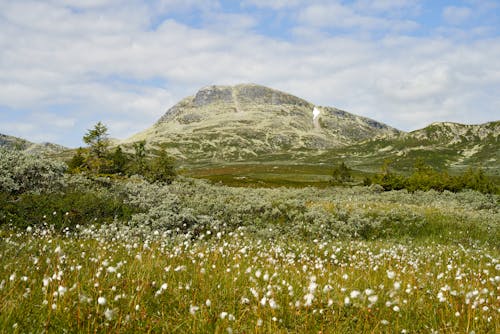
x,y
248,122
444,145
15,143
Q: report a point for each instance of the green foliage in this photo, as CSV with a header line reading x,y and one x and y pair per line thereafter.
x,y
119,161
162,168
97,139
99,160
139,164
425,178
66,209
341,174
21,172
77,163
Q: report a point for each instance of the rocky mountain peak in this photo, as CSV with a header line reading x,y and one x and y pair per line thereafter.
x,y
245,93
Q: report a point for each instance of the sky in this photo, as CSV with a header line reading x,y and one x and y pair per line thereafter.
x,y
67,64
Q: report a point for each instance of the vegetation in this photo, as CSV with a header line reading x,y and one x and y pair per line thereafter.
x,y
98,252
97,159
425,178
341,174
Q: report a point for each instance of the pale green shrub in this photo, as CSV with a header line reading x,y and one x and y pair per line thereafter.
x,y
21,172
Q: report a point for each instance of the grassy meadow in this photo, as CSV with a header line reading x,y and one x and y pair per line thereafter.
x,y
92,254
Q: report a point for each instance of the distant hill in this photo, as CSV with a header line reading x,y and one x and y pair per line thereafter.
x,y
15,143
245,122
444,145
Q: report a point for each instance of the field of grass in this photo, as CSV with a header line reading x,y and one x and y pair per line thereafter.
x,y
86,253
198,258
91,280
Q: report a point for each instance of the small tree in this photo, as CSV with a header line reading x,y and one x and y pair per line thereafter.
x,y
119,161
97,139
162,168
77,162
139,165
341,174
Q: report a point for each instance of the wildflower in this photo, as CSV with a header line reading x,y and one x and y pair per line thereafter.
x,y
61,290
208,303
193,309
273,304
231,317
137,307
347,301
308,298
396,308
355,294
101,301
223,315
391,274
259,322
373,299
369,292
109,314
327,288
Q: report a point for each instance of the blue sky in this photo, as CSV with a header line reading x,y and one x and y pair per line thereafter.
x,y
67,64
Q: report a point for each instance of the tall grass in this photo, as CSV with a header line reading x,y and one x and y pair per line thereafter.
x,y
95,280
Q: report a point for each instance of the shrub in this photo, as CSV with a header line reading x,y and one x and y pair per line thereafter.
x,y
21,172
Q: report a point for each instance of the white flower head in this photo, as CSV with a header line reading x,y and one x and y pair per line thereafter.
x,y
391,274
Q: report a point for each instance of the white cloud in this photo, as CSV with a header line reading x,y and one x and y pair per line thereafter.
x,y
456,15
100,63
275,4
341,16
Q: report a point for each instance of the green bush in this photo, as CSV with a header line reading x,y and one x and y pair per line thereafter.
x,y
21,172
63,209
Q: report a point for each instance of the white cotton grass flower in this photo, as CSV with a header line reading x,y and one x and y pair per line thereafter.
x,y
347,301
373,299
391,274
355,294
208,303
193,309
223,315
101,301
369,292
273,304
61,290
308,298
109,314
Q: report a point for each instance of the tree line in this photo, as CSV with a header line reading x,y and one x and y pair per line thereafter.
x,y
423,177
99,159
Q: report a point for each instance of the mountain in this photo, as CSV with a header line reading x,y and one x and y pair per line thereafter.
x,y
444,145
15,143
249,122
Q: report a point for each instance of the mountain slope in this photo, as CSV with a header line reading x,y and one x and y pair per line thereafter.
x,y
245,122
15,143
444,145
